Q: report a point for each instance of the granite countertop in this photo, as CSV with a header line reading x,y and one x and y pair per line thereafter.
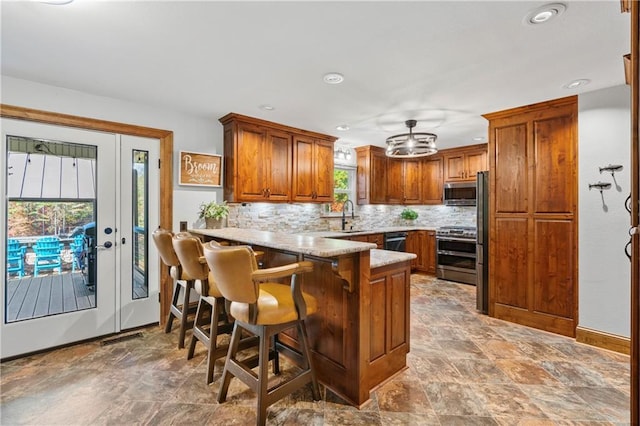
x,y
381,230
386,257
313,245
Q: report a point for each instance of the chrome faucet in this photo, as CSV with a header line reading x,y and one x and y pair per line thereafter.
x,y
344,208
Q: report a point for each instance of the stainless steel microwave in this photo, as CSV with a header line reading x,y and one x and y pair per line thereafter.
x,y
459,193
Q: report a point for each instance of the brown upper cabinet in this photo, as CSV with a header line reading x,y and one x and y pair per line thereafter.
x,y
313,168
371,175
404,181
462,164
432,171
383,180
266,161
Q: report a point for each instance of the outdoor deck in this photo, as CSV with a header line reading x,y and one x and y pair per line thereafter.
x,y
32,297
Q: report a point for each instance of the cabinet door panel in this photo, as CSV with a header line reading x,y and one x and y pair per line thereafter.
x,y
511,169
398,301
251,161
476,162
395,182
413,246
430,253
378,319
323,171
303,169
378,178
555,176
432,181
509,262
454,167
412,178
553,269
279,166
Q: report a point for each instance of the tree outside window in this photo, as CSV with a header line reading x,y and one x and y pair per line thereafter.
x,y
344,179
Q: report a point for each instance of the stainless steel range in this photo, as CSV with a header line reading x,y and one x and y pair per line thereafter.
x,y
456,253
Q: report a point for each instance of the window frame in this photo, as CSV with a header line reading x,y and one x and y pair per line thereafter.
x,y
351,191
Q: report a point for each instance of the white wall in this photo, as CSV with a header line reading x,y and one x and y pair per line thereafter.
x,y
190,132
604,270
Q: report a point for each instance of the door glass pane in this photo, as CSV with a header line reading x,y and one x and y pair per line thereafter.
x,y
50,229
140,205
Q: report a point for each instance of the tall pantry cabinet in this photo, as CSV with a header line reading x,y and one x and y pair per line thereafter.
x,y
533,215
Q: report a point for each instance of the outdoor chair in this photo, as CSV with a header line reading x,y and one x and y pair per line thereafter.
x,y
48,252
79,252
15,257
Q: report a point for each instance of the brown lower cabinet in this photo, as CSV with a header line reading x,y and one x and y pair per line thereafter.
x,y
377,239
422,244
359,336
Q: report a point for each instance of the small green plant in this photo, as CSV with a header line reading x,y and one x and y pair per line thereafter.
x,y
409,214
213,210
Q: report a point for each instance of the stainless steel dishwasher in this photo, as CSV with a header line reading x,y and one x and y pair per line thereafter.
x,y
395,241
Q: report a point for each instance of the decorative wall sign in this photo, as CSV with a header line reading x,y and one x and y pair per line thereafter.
x,y
198,169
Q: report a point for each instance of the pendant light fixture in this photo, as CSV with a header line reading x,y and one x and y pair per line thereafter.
x,y
411,144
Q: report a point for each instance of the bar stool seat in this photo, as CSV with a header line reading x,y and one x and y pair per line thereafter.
x,y
180,308
263,308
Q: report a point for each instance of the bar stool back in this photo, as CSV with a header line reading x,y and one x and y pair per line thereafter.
x,y
182,283
264,309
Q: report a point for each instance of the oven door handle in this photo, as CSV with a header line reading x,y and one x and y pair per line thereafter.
x,y
464,240
457,253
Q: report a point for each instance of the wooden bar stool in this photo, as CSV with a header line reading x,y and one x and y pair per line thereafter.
x,y
189,250
182,283
264,309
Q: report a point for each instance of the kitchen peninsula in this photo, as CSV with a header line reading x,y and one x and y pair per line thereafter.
x,y
360,334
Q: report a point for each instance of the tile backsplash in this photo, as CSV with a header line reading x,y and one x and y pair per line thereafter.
x,y
303,217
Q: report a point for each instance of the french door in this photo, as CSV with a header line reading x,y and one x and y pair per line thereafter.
x,y
95,195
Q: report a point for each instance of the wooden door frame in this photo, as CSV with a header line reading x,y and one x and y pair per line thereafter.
x,y
166,169
635,210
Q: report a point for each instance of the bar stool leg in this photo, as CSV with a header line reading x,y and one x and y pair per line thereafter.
x,y
185,313
276,355
196,328
263,377
213,341
174,304
304,340
231,358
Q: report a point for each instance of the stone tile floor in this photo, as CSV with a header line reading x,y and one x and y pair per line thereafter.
x,y
464,369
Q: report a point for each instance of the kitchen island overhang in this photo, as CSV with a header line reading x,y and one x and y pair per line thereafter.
x,y
360,334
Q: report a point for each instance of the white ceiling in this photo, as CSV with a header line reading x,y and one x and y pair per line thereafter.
x,y
443,63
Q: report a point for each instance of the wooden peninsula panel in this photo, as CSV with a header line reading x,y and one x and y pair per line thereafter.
x,y
359,336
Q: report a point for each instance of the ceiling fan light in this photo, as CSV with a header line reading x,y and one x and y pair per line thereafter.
x,y
411,144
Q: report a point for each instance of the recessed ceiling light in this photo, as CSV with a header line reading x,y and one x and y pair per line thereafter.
x,y
342,127
544,13
577,83
478,138
333,78
267,107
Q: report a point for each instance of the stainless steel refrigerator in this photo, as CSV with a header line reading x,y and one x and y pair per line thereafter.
x,y
482,243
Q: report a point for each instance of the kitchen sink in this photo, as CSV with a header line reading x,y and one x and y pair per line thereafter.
x,y
351,231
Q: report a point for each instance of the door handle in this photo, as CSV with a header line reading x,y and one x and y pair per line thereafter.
x,y
106,245
626,249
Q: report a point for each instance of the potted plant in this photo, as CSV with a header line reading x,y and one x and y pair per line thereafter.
x,y
409,214
213,213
